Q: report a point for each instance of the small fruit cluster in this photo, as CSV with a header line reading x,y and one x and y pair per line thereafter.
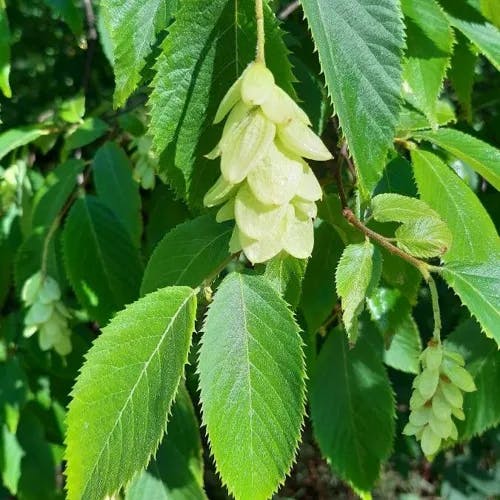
x,y
46,314
145,162
437,396
265,184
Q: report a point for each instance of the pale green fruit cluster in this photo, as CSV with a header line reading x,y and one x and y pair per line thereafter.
x,y
10,180
265,184
145,162
437,397
46,314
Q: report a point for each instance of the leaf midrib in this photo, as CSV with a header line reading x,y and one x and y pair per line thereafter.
x,y
132,391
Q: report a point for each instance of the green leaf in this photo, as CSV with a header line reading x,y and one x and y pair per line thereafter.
x,y
176,472
357,274
424,237
319,296
11,459
72,110
474,26
352,409
117,189
285,273
461,73
114,426
474,235
482,157
391,313
478,286
411,119
482,358
389,207
252,384
89,131
55,197
429,47
13,388
185,87
70,12
133,26
187,255
16,137
4,51
360,45
102,264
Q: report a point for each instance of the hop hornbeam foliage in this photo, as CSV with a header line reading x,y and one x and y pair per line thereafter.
x,y
46,314
265,185
437,397
145,162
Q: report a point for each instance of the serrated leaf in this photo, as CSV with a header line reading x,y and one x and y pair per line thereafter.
x,y
185,87
360,45
53,200
461,73
484,35
4,51
188,254
102,263
132,27
16,137
389,207
319,296
474,235
352,409
358,271
285,273
391,313
429,47
116,425
117,189
411,119
482,358
424,237
482,157
478,286
176,472
252,384
13,389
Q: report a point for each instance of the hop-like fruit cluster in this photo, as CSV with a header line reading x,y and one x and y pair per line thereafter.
x,y
46,314
145,162
437,397
265,184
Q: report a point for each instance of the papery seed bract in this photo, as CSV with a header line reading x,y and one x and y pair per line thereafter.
x,y
301,140
460,377
234,242
31,288
440,406
280,108
226,212
304,209
49,291
276,178
255,219
416,400
246,145
257,84
261,250
452,394
38,313
428,383
432,357
430,442
411,429
455,357
298,239
420,416
458,413
233,95
219,192
441,427
309,187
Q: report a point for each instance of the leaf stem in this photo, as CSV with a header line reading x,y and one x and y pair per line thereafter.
x,y
435,309
384,242
261,37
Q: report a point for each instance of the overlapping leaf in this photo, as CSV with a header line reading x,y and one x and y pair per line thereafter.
x,y
352,409
429,46
252,385
474,235
360,46
115,425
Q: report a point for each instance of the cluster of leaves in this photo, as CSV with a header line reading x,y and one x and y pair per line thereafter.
x,y
168,329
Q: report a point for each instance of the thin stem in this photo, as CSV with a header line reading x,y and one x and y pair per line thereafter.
x,y
435,308
384,242
261,37
46,242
